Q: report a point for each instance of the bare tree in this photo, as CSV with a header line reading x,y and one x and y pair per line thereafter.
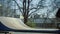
x,y
5,8
26,9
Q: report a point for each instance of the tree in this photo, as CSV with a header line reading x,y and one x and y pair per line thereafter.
x,y
25,10
1,10
5,8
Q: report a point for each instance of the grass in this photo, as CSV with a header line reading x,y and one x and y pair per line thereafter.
x,y
31,24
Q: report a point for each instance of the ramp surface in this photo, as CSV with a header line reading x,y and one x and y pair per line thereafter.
x,y
8,23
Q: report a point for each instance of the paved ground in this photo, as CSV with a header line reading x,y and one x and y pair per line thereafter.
x,y
26,33
30,33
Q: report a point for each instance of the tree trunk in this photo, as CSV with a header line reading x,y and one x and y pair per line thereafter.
x,y
25,11
25,19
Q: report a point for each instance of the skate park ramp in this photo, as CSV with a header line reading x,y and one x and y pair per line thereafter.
x,y
13,24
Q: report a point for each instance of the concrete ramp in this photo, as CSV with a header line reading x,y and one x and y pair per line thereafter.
x,y
17,24
13,23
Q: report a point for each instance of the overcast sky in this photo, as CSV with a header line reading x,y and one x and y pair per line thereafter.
x,y
49,7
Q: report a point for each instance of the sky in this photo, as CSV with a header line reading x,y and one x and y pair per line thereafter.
x,y
49,7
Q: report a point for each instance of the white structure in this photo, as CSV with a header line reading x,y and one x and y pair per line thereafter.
x,y
17,24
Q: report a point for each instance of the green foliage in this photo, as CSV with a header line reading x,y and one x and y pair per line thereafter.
x,y
31,24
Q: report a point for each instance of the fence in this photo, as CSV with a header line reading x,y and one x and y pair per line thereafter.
x,y
43,22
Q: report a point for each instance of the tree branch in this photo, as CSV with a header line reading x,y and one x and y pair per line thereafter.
x,y
33,8
34,11
18,6
37,8
28,7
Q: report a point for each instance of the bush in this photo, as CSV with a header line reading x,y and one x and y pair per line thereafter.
x,y
31,24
